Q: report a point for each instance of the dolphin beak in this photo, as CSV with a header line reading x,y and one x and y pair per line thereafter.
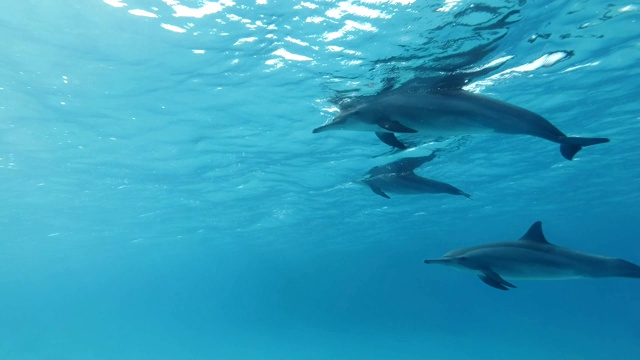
x,y
438,261
319,129
335,124
323,128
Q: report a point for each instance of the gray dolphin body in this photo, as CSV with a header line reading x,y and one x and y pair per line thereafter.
x,y
533,257
398,177
449,112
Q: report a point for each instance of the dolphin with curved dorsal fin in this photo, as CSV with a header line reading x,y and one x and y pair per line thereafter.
x,y
399,177
448,112
533,257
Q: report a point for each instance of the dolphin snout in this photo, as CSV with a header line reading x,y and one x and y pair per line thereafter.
x,y
326,127
443,261
320,129
337,123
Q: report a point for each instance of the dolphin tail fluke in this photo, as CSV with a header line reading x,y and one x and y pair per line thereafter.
x,y
571,145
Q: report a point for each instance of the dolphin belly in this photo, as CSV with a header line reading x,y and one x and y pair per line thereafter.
x,y
447,113
441,124
411,184
500,116
523,263
397,185
536,272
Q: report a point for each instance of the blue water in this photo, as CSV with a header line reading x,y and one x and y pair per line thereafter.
x,y
163,196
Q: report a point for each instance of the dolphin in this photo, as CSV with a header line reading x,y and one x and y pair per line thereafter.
x,y
448,112
398,177
533,257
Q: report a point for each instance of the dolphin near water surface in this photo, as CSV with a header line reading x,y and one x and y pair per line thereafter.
x,y
533,257
399,177
448,112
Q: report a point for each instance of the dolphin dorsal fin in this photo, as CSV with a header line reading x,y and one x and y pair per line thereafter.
x,y
535,234
409,164
402,166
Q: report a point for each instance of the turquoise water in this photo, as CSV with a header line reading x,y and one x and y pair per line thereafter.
x,y
164,197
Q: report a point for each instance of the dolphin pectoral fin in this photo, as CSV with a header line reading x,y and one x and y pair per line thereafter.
x,y
489,281
494,280
394,126
569,146
379,191
391,140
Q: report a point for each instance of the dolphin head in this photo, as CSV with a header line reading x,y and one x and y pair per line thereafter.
x,y
354,118
446,260
336,124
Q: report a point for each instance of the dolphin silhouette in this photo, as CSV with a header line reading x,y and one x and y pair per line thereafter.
x,y
448,112
398,177
533,257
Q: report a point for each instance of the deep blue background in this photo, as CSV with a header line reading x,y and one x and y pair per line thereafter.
x,y
161,203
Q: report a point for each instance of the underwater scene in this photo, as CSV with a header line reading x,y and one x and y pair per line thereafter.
x,y
339,179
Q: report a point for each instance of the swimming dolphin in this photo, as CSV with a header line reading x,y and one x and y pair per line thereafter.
x,y
448,112
398,177
533,257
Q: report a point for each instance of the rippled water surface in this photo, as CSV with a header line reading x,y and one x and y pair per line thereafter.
x,y
164,196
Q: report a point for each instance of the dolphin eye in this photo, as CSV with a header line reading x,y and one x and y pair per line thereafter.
x,y
463,258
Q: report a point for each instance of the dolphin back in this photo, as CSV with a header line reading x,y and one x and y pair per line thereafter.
x,y
404,165
624,268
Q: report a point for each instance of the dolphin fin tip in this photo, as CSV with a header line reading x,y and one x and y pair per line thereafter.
x,y
379,191
391,140
569,151
535,234
495,281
